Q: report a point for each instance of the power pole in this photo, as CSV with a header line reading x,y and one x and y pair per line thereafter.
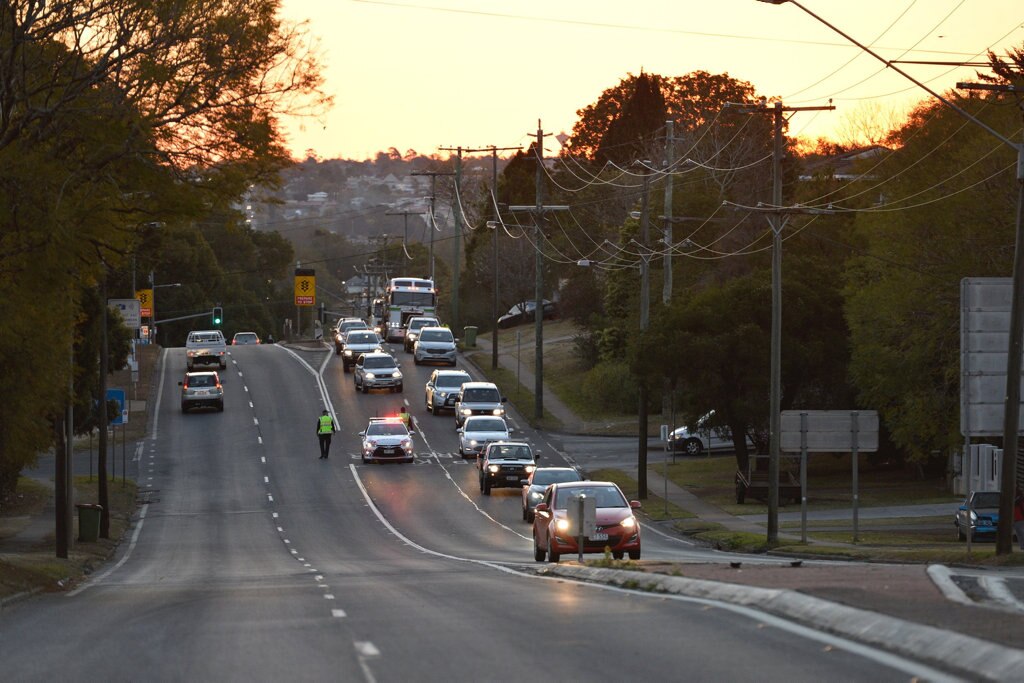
x,y
645,314
777,222
433,195
666,290
494,239
538,210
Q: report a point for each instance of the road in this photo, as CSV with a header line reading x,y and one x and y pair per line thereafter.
x,y
255,560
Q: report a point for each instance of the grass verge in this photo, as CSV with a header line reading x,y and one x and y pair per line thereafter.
x,y
654,508
37,568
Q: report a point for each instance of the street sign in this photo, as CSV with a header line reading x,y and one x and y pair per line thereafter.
x,y
130,311
145,297
830,431
984,341
305,287
122,415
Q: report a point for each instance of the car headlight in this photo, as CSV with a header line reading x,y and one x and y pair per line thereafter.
x,y
407,444
396,374
498,411
473,442
412,336
562,524
493,468
466,411
974,516
443,394
530,468
370,375
628,522
348,352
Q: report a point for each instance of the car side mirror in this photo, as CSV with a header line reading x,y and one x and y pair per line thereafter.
x,y
635,504
504,399
362,433
536,456
460,430
181,384
541,507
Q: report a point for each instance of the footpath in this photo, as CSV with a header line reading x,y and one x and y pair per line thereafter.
x,y
923,612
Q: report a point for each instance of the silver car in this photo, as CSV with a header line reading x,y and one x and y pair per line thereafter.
x,y
200,389
478,398
377,370
480,430
434,345
358,342
443,388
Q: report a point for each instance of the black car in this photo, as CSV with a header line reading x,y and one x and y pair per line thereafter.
x,y
526,312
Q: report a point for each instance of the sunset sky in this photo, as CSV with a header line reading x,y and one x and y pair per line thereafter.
x,y
424,74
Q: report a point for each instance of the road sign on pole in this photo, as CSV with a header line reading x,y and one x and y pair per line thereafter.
x,y
305,287
130,309
122,412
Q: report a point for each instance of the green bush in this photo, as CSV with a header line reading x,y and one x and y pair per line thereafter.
x,y
610,388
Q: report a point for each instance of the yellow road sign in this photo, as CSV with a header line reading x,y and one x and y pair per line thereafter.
x,y
145,297
305,290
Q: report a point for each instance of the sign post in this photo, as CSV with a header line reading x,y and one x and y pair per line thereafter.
x,y
829,431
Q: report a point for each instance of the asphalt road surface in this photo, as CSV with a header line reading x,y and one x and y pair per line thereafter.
x,y
255,560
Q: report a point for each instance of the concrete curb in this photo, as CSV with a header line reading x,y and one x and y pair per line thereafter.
x,y
966,655
11,600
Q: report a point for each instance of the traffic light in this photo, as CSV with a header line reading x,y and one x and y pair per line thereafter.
x,y
218,315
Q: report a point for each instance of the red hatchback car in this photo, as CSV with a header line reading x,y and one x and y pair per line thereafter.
x,y
617,527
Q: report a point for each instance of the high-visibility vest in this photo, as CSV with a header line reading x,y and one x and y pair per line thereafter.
x,y
326,425
405,418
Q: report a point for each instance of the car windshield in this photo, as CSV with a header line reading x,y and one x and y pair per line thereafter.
x,y
510,453
451,380
492,424
202,381
436,335
543,478
986,500
483,395
386,429
362,338
353,325
415,324
379,362
604,496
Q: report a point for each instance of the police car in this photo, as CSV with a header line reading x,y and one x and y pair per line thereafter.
x,y
387,438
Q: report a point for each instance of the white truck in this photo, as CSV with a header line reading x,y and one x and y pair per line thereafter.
x,y
206,347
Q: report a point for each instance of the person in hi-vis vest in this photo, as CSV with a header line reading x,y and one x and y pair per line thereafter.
x,y
324,429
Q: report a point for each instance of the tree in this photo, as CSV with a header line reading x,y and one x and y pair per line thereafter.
x,y
947,202
114,112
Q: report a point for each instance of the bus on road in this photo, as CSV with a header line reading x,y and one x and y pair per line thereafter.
x,y
404,298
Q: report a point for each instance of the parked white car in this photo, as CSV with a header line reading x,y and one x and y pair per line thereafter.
x,y
703,438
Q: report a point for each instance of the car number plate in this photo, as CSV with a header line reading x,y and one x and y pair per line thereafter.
x,y
598,537
201,392
511,477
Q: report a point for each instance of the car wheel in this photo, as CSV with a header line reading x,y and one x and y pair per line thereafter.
x,y
552,555
486,487
530,516
184,407
409,461
538,553
365,461
634,554
618,555
693,447
220,407
398,389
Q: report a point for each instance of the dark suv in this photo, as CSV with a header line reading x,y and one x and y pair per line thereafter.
x,y
505,464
